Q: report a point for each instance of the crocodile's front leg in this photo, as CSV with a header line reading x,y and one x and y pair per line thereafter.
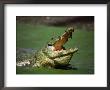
x,y
65,57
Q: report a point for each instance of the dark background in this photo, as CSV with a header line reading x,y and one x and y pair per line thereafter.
x,y
56,21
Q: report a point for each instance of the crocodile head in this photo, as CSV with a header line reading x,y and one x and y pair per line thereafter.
x,y
57,52
57,44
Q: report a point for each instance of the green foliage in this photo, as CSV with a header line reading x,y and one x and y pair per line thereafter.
x,y
36,36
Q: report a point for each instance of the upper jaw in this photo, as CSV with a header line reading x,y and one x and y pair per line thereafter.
x,y
58,44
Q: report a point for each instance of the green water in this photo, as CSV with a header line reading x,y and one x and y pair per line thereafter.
x,y
36,36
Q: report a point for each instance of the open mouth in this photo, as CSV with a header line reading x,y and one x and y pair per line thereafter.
x,y
58,45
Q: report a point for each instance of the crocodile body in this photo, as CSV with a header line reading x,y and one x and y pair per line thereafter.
x,y
51,56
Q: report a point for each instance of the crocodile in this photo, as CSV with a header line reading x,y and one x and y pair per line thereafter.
x,y
52,55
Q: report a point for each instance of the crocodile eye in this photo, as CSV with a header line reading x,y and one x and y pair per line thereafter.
x,y
52,38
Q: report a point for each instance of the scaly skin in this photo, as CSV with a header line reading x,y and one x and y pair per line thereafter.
x,y
48,56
